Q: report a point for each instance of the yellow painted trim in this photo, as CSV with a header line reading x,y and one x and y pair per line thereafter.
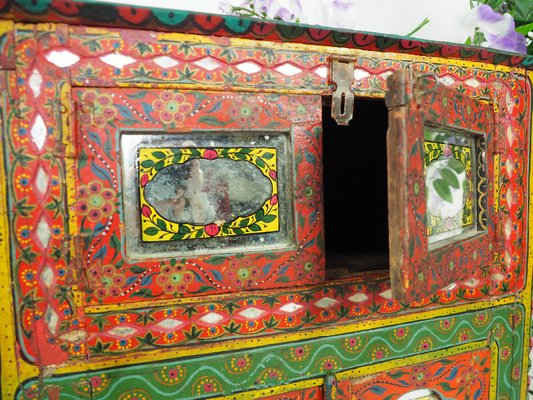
x,y
494,363
275,390
6,26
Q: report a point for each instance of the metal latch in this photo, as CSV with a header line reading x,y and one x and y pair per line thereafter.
x,y
342,98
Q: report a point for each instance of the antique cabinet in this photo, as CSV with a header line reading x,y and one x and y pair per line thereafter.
x,y
190,210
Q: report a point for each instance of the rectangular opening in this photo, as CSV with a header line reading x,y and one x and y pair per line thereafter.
x,y
355,189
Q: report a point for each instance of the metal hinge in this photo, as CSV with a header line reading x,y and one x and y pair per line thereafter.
x,y
342,97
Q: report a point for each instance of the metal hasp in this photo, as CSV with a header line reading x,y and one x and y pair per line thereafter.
x,y
342,98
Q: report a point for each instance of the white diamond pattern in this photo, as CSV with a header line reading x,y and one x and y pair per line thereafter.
x,y
166,62
41,181
62,58
509,167
451,286
117,60
359,74
122,331
326,302
471,282
43,233
47,276
52,319
290,308
509,198
288,69
208,63
249,67
358,298
473,83
447,80
169,324
36,80
387,294
38,132
212,318
322,72
508,227
252,313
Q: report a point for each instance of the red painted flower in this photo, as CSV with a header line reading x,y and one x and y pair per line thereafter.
x,y
212,229
273,174
144,180
274,200
210,154
146,211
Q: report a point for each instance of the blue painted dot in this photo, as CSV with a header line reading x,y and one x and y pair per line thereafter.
x,y
165,48
56,231
212,330
251,324
24,182
75,322
77,347
211,307
29,276
165,73
55,182
116,45
62,272
67,312
123,342
25,233
49,84
20,81
117,71
122,319
169,312
208,52
22,131
170,335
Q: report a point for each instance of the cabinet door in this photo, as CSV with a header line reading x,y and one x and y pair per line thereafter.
x,y
193,193
441,194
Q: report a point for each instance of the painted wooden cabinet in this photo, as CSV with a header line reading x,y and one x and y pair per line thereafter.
x,y
190,210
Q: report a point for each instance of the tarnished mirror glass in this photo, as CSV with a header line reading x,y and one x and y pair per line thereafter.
x,y
187,194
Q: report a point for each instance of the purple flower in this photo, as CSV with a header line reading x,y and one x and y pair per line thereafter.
x,y
498,29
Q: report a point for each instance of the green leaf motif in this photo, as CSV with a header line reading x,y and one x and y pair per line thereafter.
x,y
456,165
151,231
162,224
443,190
159,155
450,177
147,164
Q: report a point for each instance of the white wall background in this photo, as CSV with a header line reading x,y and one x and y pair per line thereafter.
x,y
448,21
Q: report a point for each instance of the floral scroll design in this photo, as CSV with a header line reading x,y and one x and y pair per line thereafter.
x,y
156,227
